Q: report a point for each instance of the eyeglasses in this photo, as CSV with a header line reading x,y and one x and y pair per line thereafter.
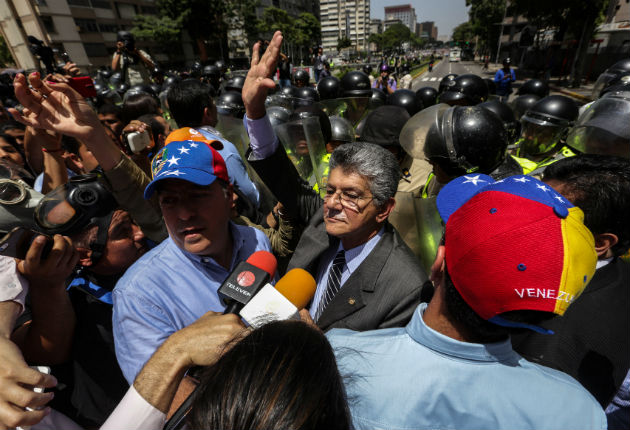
x,y
347,199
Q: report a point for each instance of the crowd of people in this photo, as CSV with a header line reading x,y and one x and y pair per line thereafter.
x,y
468,257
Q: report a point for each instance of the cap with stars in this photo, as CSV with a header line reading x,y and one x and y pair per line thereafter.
x,y
190,160
514,244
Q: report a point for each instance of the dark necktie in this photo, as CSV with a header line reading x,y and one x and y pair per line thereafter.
x,y
334,281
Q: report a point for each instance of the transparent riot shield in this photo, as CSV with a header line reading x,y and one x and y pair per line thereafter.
x,y
233,130
304,143
354,109
430,229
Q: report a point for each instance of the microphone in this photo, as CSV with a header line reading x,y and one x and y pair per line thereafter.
x,y
292,293
247,278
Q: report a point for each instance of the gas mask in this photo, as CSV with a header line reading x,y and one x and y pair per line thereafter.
x,y
17,199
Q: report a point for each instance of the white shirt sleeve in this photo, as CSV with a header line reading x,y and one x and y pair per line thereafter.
x,y
262,139
13,286
134,413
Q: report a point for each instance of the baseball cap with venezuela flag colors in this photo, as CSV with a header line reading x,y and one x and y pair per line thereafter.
x,y
188,133
194,161
514,244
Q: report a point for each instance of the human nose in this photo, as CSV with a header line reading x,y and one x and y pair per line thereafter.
x,y
186,210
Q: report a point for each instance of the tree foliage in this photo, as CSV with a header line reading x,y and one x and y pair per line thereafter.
x,y
6,59
463,32
163,30
206,21
485,20
300,32
343,42
394,37
577,17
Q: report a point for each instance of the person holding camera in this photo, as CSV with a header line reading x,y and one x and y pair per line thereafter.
x,y
135,64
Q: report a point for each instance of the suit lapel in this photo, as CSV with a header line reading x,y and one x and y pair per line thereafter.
x,y
351,297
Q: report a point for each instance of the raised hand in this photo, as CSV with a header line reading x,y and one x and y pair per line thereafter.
x,y
55,107
257,81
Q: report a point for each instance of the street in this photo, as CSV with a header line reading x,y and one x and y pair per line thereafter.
x,y
443,68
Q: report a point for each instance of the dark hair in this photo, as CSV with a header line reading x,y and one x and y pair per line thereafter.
x,y
187,100
600,186
70,144
281,376
156,126
107,108
480,330
137,105
11,125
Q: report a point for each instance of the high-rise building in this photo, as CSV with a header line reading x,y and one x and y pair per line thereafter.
x,y
345,19
404,13
85,29
428,30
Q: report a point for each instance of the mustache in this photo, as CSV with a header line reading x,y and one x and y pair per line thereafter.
x,y
335,214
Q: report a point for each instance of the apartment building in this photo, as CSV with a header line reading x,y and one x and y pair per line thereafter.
x,y
345,18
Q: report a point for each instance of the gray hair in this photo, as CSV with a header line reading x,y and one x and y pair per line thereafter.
x,y
373,162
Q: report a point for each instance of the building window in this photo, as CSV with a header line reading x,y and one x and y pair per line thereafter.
x,y
95,49
86,25
103,4
108,28
49,25
84,3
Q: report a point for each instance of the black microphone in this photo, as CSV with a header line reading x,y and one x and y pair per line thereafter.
x,y
246,280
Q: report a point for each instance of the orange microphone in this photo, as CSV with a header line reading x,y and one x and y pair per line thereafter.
x,y
291,293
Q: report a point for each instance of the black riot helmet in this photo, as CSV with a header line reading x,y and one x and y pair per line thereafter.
x,y
305,96
521,104
466,90
546,124
446,82
221,66
328,88
428,96
620,67
313,111
342,130
355,84
230,103
235,83
301,78
459,139
170,81
126,38
289,91
534,86
378,98
503,111
405,99
619,82
367,69
383,126
196,69
211,71
278,115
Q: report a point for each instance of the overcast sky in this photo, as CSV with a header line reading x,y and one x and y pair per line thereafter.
x,y
447,14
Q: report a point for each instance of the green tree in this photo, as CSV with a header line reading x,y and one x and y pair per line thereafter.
x,y
463,32
395,36
6,59
307,30
206,21
163,30
579,17
377,39
343,42
485,18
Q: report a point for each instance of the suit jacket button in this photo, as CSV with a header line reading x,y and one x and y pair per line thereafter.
x,y
351,301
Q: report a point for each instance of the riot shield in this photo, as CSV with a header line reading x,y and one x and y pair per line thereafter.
x,y
430,229
304,143
354,109
232,129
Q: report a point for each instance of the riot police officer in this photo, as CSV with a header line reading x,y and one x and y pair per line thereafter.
x,y
503,111
543,130
522,104
428,96
300,78
328,87
405,99
534,86
457,141
465,90
446,82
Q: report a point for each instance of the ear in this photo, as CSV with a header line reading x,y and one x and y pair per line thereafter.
x,y
437,268
603,243
210,116
386,209
85,257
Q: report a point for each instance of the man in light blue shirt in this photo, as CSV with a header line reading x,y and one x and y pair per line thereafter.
x,y
514,253
177,282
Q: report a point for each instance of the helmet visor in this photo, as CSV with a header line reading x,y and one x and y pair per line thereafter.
x,y
601,82
353,109
421,135
538,137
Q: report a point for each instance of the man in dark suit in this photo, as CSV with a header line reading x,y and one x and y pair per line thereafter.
x,y
367,278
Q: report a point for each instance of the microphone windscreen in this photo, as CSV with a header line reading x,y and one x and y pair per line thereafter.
x,y
298,286
264,260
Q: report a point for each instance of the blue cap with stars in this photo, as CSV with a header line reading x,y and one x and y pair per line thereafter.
x,y
190,160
